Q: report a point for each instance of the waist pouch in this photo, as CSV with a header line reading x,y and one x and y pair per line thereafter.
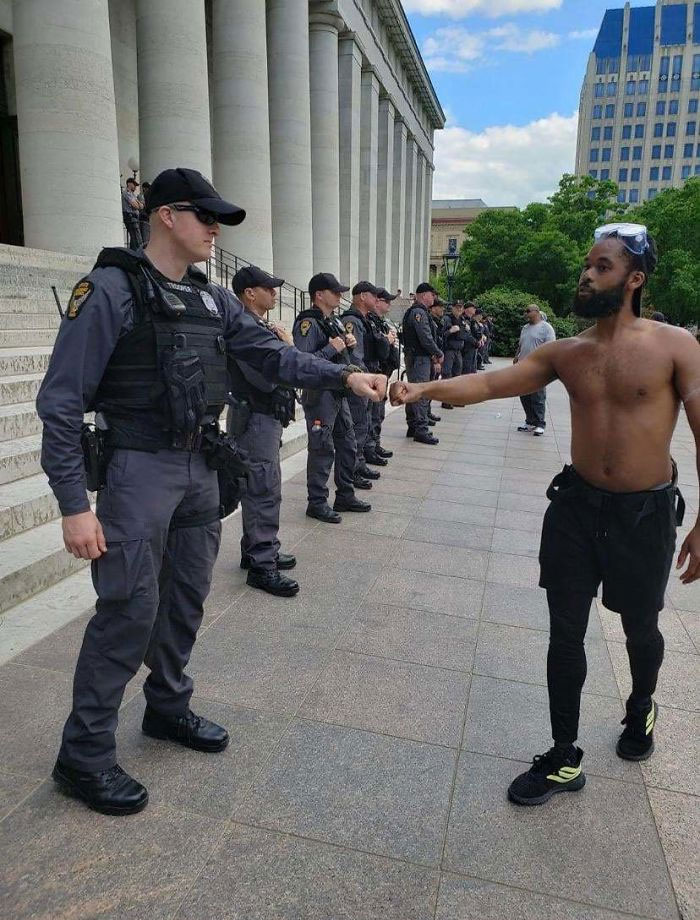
x,y
185,388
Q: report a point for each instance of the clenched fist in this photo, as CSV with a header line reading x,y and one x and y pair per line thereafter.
x,y
370,385
402,392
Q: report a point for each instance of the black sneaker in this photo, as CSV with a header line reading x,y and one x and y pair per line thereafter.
x,y
382,452
550,773
637,740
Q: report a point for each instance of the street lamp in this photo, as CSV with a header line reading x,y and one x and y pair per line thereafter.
x,y
450,262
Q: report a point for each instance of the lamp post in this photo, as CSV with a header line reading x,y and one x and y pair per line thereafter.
x,y
450,262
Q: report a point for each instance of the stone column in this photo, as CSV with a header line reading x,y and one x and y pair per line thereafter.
x,y
325,153
349,85
398,220
418,271
290,138
241,126
174,127
68,148
410,238
429,169
385,190
369,154
122,30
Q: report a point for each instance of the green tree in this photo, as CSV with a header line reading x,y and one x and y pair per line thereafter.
x,y
547,264
580,205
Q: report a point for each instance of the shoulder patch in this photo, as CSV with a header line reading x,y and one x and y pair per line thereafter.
x,y
349,327
417,317
81,293
304,326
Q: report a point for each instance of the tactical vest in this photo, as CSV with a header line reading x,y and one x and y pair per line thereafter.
x,y
330,326
369,351
411,342
132,394
267,401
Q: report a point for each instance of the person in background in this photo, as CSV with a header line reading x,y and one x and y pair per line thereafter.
x,y
374,452
471,339
131,209
535,333
144,223
454,335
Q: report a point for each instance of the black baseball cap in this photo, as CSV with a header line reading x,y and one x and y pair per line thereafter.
x,y
425,288
383,294
252,276
325,281
183,184
365,287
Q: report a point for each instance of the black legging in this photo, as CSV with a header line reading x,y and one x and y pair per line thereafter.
x,y
566,660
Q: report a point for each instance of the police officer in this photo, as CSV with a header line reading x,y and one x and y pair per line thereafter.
x,y
145,343
258,412
471,339
480,334
318,331
374,452
420,348
369,350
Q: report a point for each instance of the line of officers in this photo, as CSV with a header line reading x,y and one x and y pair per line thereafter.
x,y
440,344
344,429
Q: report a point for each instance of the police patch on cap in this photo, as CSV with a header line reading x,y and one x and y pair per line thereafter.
x,y
304,326
80,294
209,303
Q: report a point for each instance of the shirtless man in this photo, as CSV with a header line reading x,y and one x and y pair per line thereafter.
x,y
613,513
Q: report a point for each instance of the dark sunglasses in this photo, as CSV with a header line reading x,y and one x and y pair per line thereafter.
x,y
204,217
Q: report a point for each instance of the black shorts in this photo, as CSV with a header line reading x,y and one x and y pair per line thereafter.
x,y
626,540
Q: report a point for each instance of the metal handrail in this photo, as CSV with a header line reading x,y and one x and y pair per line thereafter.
x,y
225,264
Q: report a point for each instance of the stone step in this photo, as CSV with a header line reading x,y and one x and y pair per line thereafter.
x,y
24,504
18,421
34,359
19,458
19,388
39,301
30,321
33,561
15,338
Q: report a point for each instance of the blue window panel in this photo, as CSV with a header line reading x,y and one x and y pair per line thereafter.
x,y
635,174
641,35
692,106
696,24
695,74
606,154
621,196
611,89
674,22
665,66
685,172
656,152
698,151
639,131
654,174
690,128
673,107
688,150
631,88
636,153
608,44
594,154
642,87
652,193
610,110
599,90
595,134
659,129
624,153
608,133
641,109
597,111
604,174
622,175
634,195
671,129
593,173
666,173
629,109
697,170
668,151
626,132
661,107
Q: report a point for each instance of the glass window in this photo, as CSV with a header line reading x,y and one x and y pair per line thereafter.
x,y
690,128
652,193
688,150
656,152
626,132
632,62
665,65
659,129
673,107
668,151
661,107
611,89
639,130
663,74
610,110
645,62
685,172
635,174
599,90
594,155
634,195
642,87
654,174
595,134
636,153
666,173
676,73
631,88
698,151
597,111
604,174
692,106
622,174
629,109
608,133
624,153
621,196
593,173
697,170
601,66
695,76
671,129
641,109
606,154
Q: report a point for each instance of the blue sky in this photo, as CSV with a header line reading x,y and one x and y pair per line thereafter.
x,y
511,112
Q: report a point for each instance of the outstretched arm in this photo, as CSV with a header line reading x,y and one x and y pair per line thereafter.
x,y
687,383
531,374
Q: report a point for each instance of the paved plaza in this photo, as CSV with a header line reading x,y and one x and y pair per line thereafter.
x,y
376,722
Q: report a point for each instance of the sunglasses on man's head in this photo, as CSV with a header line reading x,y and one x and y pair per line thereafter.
x,y
204,217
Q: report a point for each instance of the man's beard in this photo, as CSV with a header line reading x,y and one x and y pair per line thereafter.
x,y
598,305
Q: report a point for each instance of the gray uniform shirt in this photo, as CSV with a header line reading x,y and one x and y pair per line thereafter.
x,y
532,336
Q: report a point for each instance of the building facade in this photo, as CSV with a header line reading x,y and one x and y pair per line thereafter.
x,y
639,121
449,226
316,116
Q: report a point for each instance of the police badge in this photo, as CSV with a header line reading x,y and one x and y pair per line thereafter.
x,y
209,303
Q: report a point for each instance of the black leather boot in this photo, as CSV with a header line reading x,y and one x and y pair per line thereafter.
x,y
284,561
111,792
190,730
323,513
271,581
351,504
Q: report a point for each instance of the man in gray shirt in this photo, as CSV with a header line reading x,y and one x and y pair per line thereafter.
x,y
537,331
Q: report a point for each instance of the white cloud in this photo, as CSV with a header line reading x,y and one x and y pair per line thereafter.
x,y
455,48
505,164
586,34
459,9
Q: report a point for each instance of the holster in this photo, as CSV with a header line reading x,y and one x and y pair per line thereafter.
x,y
95,456
239,413
225,456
